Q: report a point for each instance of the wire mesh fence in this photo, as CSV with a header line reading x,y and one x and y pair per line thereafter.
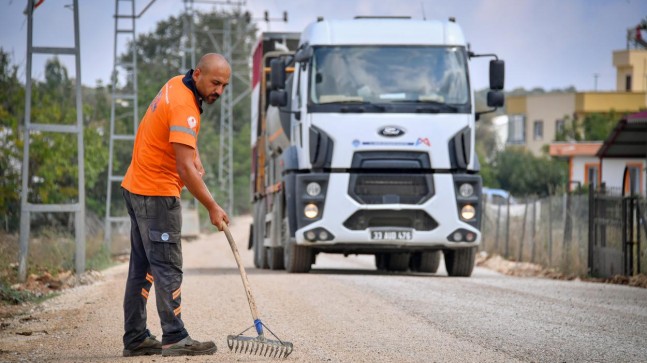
x,y
554,232
550,231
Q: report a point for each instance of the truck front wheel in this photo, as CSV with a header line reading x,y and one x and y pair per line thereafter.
x,y
425,261
297,258
398,261
460,262
260,255
275,255
275,258
380,261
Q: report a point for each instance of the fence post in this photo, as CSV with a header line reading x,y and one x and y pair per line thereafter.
x,y
523,229
534,221
483,221
568,223
496,240
507,228
550,231
591,227
639,221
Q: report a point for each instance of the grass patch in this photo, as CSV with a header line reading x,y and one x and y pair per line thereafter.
x,y
14,297
11,296
99,259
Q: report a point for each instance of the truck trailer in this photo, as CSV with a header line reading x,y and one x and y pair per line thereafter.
x,y
363,143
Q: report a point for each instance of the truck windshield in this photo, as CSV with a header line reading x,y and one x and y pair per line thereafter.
x,y
417,76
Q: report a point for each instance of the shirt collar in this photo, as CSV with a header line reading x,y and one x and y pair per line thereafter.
x,y
190,84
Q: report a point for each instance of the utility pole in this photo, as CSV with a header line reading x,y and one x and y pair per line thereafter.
x,y
187,46
27,208
226,151
595,81
124,103
226,46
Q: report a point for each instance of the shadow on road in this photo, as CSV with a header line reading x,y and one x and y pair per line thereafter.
x,y
315,271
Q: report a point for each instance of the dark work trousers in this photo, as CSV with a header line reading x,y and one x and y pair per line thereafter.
x,y
155,259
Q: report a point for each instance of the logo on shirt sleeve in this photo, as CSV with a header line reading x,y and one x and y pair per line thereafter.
x,y
192,122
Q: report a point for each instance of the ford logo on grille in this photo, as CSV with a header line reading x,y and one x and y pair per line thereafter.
x,y
391,131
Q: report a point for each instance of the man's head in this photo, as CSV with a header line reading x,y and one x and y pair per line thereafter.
x,y
211,76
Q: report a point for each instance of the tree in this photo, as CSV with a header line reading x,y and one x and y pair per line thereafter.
x,y
53,167
12,106
521,173
597,126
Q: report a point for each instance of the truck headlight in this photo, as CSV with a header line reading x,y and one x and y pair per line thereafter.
x,y
311,211
466,190
313,189
468,212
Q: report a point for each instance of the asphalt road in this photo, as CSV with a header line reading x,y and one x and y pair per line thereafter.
x,y
345,311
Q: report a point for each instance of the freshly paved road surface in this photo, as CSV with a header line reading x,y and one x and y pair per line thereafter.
x,y
345,311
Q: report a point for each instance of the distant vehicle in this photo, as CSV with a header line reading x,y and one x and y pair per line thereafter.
x,y
497,196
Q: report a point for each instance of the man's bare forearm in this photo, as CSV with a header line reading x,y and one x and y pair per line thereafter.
x,y
194,183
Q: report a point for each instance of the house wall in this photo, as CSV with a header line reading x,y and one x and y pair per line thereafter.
x,y
621,102
613,172
578,170
547,108
631,62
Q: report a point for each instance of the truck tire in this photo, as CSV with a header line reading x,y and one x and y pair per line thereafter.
x,y
428,261
380,261
275,255
297,259
260,255
275,258
460,262
398,261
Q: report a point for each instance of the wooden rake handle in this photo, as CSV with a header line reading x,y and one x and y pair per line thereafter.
x,y
243,276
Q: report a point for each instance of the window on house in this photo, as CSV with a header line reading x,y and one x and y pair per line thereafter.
x,y
538,130
559,128
592,175
517,129
628,83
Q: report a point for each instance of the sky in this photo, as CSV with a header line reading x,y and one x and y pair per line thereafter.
x,y
545,43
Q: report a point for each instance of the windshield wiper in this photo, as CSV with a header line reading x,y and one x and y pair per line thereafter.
x,y
358,106
429,106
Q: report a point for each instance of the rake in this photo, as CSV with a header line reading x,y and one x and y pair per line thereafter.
x,y
259,345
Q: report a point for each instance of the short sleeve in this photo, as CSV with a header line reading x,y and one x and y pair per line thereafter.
x,y
184,125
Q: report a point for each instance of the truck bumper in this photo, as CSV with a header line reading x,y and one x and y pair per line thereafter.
x,y
439,211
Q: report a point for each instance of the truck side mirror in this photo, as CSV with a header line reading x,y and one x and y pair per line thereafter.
x,y
304,55
497,74
495,99
279,98
277,74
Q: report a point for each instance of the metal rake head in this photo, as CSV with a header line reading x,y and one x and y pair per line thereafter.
x,y
259,346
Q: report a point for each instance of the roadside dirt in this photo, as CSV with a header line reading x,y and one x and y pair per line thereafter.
x,y
527,269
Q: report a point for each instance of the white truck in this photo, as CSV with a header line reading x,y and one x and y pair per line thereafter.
x,y
363,143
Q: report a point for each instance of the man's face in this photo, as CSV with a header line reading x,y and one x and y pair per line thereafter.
x,y
211,82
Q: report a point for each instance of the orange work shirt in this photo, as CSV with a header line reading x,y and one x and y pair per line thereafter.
x,y
173,116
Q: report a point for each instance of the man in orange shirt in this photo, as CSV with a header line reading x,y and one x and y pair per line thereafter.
x,y
165,159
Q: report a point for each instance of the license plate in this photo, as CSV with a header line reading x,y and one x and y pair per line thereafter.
x,y
387,235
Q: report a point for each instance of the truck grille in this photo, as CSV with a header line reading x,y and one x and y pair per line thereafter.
x,y
390,188
390,177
